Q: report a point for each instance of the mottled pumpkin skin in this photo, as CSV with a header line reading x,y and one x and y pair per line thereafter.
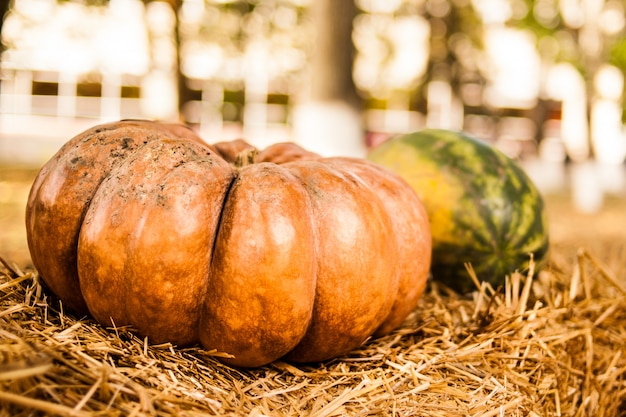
x,y
63,190
482,206
289,255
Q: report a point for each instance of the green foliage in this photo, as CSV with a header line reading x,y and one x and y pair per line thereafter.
x,y
617,54
87,2
545,20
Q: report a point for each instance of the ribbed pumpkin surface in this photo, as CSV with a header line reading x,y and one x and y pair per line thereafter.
x,y
288,255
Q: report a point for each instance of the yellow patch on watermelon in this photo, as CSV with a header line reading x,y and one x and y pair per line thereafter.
x,y
432,186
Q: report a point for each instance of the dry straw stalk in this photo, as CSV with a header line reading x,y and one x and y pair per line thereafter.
x,y
547,344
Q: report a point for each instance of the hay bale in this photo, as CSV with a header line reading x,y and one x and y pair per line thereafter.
x,y
547,344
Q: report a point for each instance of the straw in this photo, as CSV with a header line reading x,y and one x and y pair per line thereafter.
x,y
548,343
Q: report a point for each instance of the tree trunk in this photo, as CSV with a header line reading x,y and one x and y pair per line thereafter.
x,y
4,8
328,121
184,93
331,67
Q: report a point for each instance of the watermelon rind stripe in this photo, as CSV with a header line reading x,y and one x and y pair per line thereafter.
x,y
498,218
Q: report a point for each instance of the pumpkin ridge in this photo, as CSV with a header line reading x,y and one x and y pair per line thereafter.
x,y
262,278
126,157
143,213
342,318
73,166
218,227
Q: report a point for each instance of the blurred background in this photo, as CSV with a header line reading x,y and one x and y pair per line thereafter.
x,y
543,80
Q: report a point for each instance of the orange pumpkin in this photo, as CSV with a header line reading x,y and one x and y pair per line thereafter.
x,y
285,254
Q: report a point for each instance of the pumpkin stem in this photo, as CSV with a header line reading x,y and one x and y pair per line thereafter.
x,y
246,157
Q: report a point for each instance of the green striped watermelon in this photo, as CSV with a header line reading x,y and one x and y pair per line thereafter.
x,y
483,208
